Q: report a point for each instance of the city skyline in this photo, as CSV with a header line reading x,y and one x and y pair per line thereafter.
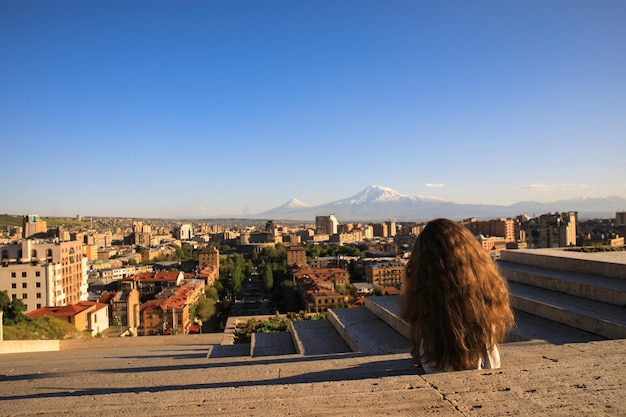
x,y
152,109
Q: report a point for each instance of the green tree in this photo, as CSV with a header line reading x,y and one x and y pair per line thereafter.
x,y
13,309
313,250
205,308
268,277
212,293
236,277
5,301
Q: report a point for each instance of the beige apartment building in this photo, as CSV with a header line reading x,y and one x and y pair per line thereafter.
x,y
209,256
296,255
503,228
44,273
33,225
385,273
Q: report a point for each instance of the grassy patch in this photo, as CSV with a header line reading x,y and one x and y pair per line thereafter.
x,y
243,332
51,222
43,328
599,248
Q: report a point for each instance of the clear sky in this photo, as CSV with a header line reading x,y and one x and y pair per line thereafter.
x,y
201,108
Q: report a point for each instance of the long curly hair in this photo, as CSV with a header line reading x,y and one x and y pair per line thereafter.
x,y
454,298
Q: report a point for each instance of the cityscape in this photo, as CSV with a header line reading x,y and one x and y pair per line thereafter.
x,y
137,277
211,208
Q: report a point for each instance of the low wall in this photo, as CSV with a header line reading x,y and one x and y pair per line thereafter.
x,y
24,346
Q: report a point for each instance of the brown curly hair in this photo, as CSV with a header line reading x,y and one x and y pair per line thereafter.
x,y
454,298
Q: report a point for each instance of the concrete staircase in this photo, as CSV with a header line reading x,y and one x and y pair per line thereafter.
x,y
551,305
588,301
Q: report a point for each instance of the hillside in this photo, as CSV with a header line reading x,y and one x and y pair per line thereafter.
x,y
43,328
11,220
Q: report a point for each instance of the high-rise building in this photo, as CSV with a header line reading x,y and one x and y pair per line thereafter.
x,y
183,231
44,273
391,227
553,230
380,229
326,225
32,225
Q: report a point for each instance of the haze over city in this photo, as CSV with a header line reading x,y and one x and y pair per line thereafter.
x,y
157,109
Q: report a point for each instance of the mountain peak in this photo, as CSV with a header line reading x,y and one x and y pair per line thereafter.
x,y
376,193
294,203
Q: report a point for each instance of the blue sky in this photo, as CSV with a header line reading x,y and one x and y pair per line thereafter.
x,y
200,108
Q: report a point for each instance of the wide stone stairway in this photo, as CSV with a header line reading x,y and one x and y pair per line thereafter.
x,y
555,305
558,361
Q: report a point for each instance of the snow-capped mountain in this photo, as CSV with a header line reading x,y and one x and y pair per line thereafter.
x,y
291,207
376,203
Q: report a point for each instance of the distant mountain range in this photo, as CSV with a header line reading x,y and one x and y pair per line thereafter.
x,y
377,203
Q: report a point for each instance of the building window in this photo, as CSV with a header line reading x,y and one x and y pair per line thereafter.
x,y
38,284
37,273
23,285
12,274
24,296
23,274
14,285
38,305
38,295
13,296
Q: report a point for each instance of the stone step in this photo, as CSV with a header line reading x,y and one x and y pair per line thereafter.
x,y
593,287
365,332
530,327
591,316
387,308
527,326
317,337
605,264
271,344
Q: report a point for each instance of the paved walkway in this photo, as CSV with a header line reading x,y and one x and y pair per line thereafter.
x,y
183,378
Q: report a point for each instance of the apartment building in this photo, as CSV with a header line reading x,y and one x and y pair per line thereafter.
x,y
386,273
317,287
502,227
318,294
44,272
553,230
492,244
154,282
32,225
380,229
326,225
183,231
340,261
209,256
168,313
296,255
124,304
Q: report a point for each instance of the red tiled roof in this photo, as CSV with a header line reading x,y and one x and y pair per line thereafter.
x,y
157,276
107,297
65,311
